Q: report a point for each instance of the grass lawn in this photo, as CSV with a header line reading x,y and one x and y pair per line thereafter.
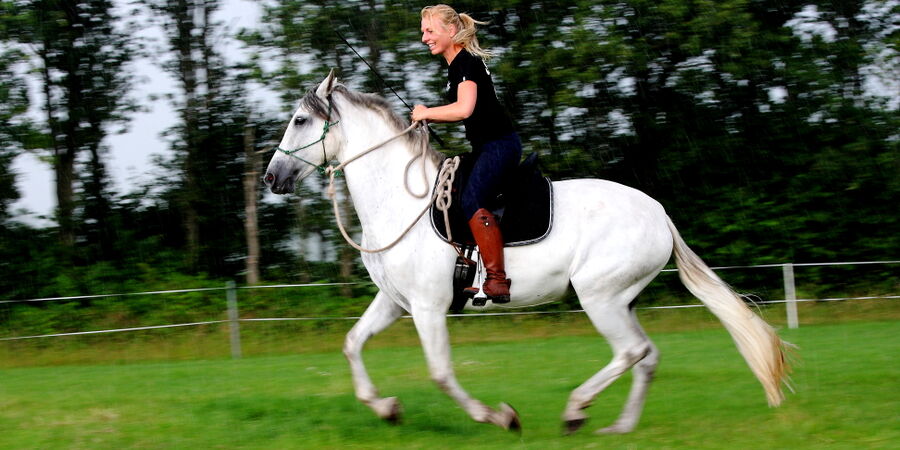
x,y
847,395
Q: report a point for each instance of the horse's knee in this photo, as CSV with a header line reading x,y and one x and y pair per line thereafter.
x,y
637,353
647,365
351,345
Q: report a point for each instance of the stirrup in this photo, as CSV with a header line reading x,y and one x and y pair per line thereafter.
x,y
471,292
500,299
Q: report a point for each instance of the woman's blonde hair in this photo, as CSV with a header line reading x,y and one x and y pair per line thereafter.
x,y
465,28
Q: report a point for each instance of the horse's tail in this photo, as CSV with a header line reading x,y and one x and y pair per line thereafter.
x,y
757,341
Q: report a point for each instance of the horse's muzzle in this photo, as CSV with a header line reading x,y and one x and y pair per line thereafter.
x,y
280,179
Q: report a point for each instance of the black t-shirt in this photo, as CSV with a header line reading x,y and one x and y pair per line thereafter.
x,y
489,120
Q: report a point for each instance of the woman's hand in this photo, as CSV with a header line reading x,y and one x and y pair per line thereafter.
x,y
467,95
419,113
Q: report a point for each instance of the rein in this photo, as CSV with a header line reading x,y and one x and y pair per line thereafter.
x,y
441,198
442,193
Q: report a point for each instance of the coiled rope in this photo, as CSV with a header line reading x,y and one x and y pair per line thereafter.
x,y
441,197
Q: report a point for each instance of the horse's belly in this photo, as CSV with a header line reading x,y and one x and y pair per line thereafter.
x,y
603,234
539,275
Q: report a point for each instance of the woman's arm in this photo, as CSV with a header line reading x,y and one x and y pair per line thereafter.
x,y
466,96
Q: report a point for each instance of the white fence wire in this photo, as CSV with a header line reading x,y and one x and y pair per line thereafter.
x,y
234,318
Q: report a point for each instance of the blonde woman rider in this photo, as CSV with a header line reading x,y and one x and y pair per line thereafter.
x,y
495,145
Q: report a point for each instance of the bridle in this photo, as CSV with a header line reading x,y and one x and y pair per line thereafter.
x,y
321,168
441,195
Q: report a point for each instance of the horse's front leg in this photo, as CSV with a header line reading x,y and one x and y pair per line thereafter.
x,y
431,324
378,316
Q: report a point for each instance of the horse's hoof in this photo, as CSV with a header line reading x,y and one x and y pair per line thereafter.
x,y
511,420
389,410
571,426
573,422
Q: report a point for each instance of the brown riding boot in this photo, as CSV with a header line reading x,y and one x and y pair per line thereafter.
x,y
487,235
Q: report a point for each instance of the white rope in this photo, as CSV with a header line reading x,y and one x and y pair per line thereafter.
x,y
497,314
765,266
82,297
834,299
117,330
441,195
422,155
177,291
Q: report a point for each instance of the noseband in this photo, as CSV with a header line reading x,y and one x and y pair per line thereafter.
x,y
325,128
442,189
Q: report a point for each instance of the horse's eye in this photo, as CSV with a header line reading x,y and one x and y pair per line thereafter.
x,y
299,121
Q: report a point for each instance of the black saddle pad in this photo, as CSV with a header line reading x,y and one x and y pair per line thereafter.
x,y
525,207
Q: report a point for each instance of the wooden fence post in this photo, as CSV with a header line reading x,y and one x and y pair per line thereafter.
x,y
790,295
234,327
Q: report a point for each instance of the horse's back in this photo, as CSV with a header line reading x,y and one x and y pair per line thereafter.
x,y
623,236
596,189
609,208
603,233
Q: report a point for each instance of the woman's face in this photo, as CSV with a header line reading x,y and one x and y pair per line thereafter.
x,y
436,35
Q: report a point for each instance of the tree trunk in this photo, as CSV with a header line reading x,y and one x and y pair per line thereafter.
x,y
252,167
187,71
97,205
63,165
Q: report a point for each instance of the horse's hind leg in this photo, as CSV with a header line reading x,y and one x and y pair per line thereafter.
x,y
431,323
642,375
378,316
631,348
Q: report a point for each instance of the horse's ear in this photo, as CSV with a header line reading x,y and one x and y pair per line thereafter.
x,y
326,87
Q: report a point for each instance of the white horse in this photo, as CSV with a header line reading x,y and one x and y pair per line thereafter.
x,y
608,241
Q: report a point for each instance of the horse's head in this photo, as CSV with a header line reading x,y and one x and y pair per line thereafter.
x,y
309,140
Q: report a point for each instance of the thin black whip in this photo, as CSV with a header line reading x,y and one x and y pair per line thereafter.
x,y
385,83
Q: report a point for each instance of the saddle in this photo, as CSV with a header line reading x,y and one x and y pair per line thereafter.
x,y
524,206
524,209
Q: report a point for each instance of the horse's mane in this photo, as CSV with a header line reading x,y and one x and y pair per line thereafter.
x,y
417,137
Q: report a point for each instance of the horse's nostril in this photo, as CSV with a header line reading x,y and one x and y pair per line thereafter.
x,y
269,178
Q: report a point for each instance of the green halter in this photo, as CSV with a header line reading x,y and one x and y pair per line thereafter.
x,y
325,128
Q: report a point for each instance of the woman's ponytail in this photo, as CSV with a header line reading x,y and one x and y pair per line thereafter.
x,y
467,38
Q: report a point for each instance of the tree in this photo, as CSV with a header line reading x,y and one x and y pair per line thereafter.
x,y
82,55
13,130
752,122
209,138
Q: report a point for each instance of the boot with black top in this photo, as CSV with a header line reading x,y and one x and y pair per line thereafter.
x,y
487,235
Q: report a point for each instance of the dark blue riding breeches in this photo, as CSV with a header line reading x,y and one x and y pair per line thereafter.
x,y
495,162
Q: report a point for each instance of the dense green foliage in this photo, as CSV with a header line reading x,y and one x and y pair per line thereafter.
x,y
703,397
751,121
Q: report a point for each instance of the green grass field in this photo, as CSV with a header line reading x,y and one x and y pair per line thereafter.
x,y
847,396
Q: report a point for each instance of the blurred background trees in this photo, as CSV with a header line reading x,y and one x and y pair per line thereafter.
x,y
767,129
79,57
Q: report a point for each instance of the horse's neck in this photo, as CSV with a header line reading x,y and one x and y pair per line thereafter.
x,y
376,181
